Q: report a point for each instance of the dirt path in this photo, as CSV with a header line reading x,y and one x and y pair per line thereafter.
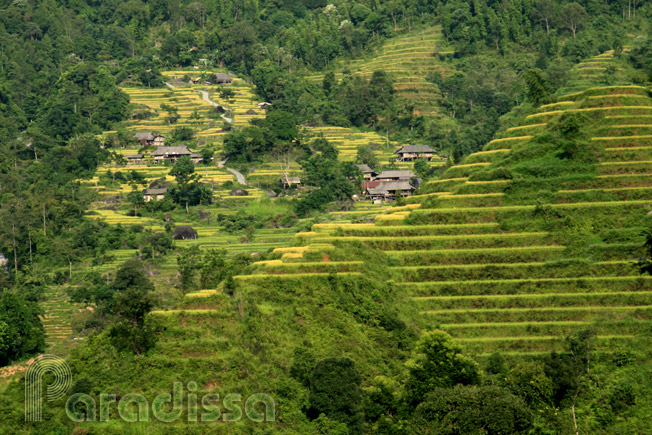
x,y
238,175
204,96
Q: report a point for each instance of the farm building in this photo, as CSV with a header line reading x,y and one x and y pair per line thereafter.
x,y
154,194
288,182
394,175
223,79
146,138
134,159
196,157
414,152
159,140
172,154
387,190
367,172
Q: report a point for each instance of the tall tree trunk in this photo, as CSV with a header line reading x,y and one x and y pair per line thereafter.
x,y
29,234
13,233
45,232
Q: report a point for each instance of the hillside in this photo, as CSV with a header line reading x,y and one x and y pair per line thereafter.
x,y
517,247
408,58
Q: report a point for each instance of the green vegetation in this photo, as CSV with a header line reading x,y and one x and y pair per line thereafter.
x,y
511,294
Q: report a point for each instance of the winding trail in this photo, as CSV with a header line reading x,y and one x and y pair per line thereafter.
x,y
238,175
204,95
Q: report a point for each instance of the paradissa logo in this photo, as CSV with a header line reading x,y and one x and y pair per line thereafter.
x,y
166,407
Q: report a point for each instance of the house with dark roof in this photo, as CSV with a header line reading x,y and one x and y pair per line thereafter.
x,y
159,140
388,190
196,157
409,153
146,138
394,175
223,79
134,159
171,154
288,182
155,194
367,173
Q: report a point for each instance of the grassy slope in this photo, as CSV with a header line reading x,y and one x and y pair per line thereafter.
x,y
408,58
514,265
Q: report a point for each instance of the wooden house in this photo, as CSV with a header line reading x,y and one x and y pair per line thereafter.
x,y
409,153
223,79
134,159
387,190
394,175
367,173
155,194
288,182
159,140
144,137
171,154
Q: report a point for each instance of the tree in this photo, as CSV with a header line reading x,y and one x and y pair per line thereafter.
x,y
284,158
188,191
437,363
572,17
471,409
195,119
335,392
189,261
329,83
545,12
213,269
136,198
133,289
537,88
207,154
172,113
282,125
226,94
366,156
568,370
21,329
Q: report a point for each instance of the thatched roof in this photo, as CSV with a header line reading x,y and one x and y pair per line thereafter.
x,y
398,175
415,149
144,135
172,151
386,187
161,191
365,169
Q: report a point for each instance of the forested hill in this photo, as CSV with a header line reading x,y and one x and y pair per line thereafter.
x,y
504,297
493,44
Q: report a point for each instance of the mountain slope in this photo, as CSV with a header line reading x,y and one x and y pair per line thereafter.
x,y
532,238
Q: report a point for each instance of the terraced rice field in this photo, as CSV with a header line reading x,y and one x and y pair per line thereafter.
x,y
56,321
409,59
187,99
467,253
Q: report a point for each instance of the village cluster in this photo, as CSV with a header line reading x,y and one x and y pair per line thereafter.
x,y
378,187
